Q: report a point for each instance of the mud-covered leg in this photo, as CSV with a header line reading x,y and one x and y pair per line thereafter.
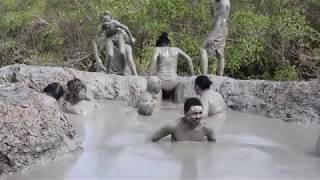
x,y
220,64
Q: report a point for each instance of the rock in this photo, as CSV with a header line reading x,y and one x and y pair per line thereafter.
x,y
291,101
127,89
32,129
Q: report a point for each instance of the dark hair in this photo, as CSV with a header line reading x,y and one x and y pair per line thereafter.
x,y
203,82
191,102
75,85
55,90
163,40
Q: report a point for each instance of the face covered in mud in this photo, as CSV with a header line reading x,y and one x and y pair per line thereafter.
x,y
154,85
193,116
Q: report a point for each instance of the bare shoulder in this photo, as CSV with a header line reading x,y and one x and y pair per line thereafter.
x,y
209,134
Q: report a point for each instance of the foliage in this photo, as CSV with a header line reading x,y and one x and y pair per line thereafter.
x,y
268,39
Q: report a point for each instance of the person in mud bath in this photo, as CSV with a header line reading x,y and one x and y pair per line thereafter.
x,y
189,128
150,98
115,35
212,101
74,98
165,61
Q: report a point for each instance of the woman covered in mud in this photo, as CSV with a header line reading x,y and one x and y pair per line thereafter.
x,y
165,63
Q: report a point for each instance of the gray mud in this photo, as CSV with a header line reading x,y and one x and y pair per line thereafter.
x,y
116,145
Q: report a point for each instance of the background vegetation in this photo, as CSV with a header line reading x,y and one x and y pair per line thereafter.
x,y
268,39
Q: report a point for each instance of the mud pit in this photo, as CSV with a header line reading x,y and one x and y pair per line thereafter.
x,y
116,145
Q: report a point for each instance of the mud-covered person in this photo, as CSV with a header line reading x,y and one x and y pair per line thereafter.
x,y
212,101
150,98
75,99
189,127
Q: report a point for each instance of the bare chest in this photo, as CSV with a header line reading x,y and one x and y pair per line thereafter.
x,y
182,134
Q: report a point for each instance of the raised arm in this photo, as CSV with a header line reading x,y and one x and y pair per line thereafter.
x,y
124,27
209,134
154,60
166,130
188,58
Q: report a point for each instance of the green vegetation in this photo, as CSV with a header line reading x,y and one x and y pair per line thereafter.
x,y
268,39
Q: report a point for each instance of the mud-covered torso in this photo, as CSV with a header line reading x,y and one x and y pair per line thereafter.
x,y
182,133
167,66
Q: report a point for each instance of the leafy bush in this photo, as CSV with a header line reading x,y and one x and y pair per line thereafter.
x,y
273,39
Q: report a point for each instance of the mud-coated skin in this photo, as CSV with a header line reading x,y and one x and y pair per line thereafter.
x,y
165,63
212,103
114,37
146,104
189,128
148,99
216,40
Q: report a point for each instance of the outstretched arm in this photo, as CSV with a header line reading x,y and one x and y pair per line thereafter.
x,y
210,135
154,61
188,58
162,133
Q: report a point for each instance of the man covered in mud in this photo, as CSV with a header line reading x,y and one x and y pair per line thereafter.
x,y
115,37
165,62
216,40
150,98
189,128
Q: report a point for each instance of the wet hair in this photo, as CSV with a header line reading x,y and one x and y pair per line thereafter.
x,y
75,86
191,102
105,13
203,82
55,90
163,40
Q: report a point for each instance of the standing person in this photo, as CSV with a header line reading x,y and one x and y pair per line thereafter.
x,y
189,128
216,40
116,36
212,102
165,62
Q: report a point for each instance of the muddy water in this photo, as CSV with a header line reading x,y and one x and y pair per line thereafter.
x,y
116,145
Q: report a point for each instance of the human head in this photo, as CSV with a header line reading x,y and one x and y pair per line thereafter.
x,y
202,83
153,85
106,16
146,104
55,90
192,112
163,40
77,89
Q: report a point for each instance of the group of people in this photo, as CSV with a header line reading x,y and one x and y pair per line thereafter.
x,y
190,127
72,98
117,38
